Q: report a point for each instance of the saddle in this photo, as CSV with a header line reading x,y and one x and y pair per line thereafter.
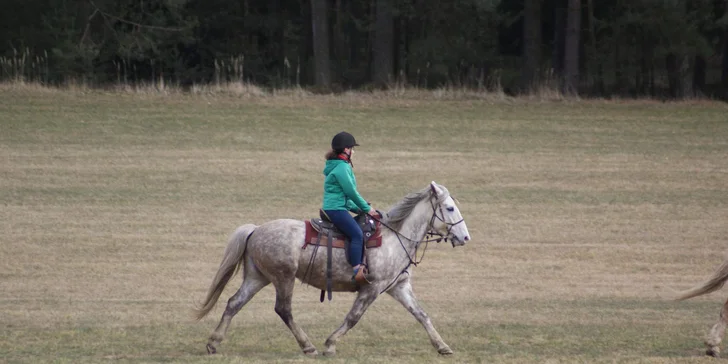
x,y
318,228
321,231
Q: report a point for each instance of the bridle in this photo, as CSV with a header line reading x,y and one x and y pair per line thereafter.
x,y
431,235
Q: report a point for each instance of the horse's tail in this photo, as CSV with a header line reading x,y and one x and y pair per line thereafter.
x,y
715,282
232,260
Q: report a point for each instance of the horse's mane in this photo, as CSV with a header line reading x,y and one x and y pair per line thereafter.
x,y
402,209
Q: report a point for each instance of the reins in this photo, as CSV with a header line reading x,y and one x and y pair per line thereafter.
x,y
409,257
430,236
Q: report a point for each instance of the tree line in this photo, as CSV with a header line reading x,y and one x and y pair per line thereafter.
x,y
657,48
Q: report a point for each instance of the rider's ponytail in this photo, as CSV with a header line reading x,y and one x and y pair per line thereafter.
x,y
332,154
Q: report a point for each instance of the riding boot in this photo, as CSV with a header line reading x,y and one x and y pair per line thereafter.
x,y
361,276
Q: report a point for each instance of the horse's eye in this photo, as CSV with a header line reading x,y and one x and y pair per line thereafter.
x,y
451,209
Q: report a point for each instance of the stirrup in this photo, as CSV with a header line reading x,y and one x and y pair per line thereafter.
x,y
361,277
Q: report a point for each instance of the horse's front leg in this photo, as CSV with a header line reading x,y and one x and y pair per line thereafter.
x,y
363,300
402,292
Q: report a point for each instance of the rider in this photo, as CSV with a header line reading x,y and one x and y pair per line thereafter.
x,y
341,196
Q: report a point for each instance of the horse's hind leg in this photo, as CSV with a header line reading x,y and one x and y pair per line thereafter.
x,y
363,300
404,295
253,282
716,333
284,295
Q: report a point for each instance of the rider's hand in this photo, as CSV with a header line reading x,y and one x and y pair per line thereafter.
x,y
374,213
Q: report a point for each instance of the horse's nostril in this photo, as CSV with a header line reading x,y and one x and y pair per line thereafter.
x,y
467,238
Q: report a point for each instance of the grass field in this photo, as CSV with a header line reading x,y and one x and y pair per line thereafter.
x,y
585,217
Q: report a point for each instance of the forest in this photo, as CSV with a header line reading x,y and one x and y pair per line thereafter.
x,y
628,48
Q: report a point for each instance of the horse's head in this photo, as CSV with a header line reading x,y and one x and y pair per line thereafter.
x,y
446,219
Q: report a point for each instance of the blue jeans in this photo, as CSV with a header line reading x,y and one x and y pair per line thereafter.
x,y
346,223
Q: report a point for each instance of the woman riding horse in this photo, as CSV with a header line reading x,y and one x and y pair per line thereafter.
x,y
341,196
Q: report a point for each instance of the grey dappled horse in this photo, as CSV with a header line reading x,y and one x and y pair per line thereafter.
x,y
271,253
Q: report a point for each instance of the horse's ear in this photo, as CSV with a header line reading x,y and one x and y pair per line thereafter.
x,y
436,190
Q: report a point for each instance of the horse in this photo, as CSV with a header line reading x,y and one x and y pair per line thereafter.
x,y
715,282
272,253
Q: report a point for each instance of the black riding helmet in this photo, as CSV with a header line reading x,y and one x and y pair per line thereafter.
x,y
343,140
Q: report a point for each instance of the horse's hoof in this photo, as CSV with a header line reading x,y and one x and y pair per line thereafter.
x,y
712,352
311,352
211,349
330,352
445,351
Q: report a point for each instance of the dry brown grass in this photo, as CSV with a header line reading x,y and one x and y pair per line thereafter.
x,y
585,216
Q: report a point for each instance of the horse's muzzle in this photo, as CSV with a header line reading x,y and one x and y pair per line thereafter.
x,y
456,241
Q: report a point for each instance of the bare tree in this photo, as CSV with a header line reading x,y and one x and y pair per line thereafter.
x,y
383,47
320,26
531,43
724,73
571,48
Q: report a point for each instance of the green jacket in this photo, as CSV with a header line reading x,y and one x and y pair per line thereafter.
x,y
340,188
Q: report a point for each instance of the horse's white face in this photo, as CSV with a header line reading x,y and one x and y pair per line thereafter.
x,y
449,222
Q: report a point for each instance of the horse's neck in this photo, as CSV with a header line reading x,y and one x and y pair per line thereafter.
x,y
415,225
